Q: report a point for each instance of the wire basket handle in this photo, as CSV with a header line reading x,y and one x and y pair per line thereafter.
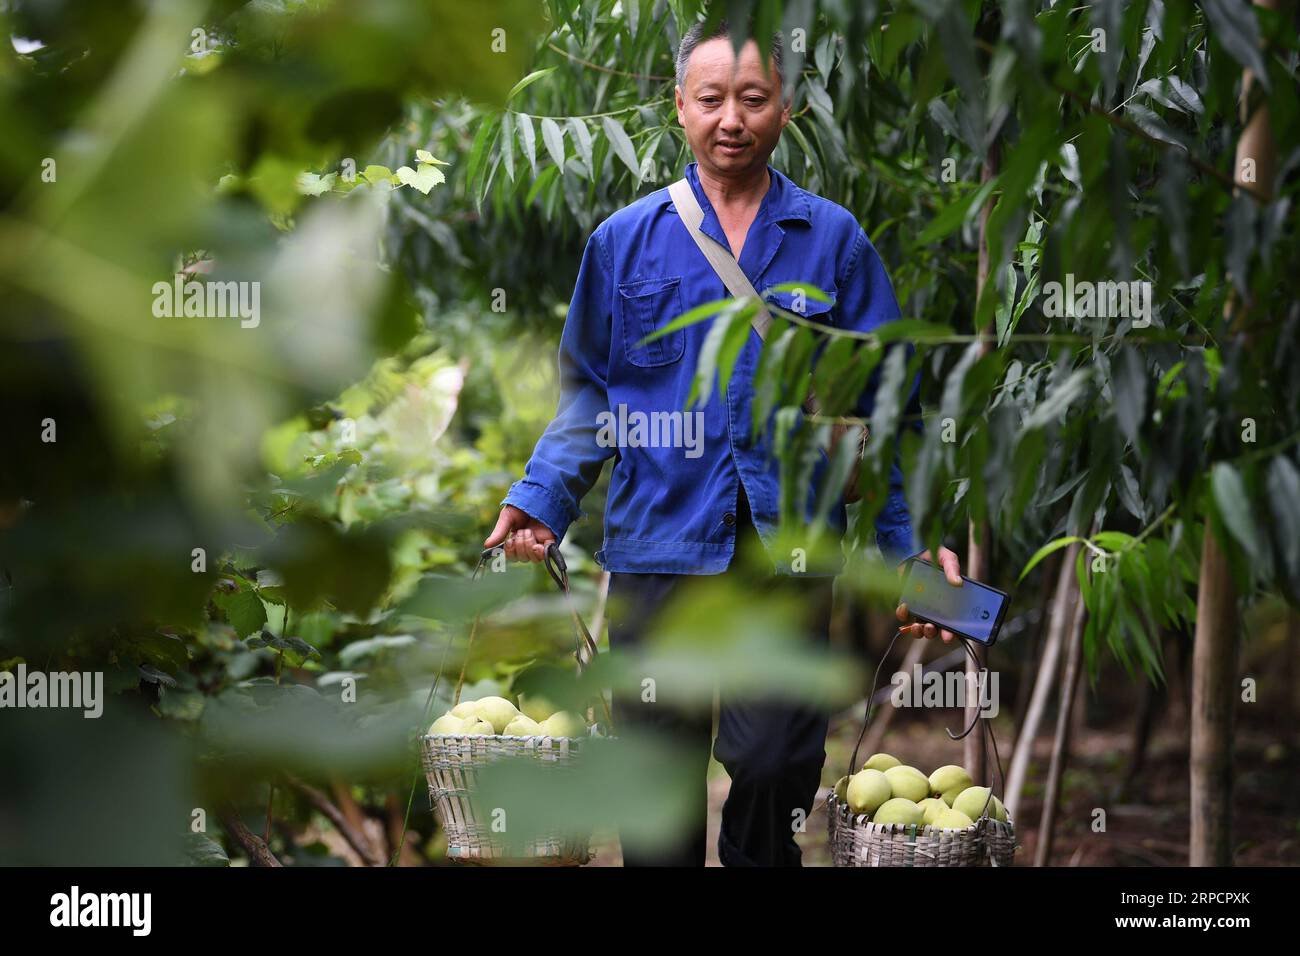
x,y
585,650
988,727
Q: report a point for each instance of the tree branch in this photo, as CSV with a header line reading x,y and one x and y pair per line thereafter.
x,y
356,839
258,852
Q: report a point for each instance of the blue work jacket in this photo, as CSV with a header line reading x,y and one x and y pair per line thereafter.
x,y
672,509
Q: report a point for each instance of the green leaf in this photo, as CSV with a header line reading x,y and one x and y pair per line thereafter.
x,y
376,174
528,137
884,417
181,704
951,217
739,324
581,141
202,850
1231,498
478,154
1283,486
1233,24
424,179
1129,391
807,288
1058,402
648,164
507,143
1030,450
846,391
553,136
794,381
243,609
706,366
1155,127
697,314
274,181
295,650
802,141
527,81
1112,540
312,184
270,585
830,368
837,475
154,676
904,29
911,330
540,183
1004,311
1081,575
622,145
770,362
1044,551
1171,92
1129,493
356,651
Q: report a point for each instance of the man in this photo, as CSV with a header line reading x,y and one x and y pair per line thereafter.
x,y
671,515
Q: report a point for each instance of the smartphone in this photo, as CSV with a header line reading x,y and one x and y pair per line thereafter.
x,y
973,610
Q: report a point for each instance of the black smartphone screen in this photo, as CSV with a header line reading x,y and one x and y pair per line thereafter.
x,y
973,610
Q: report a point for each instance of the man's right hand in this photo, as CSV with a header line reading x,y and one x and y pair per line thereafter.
x,y
525,537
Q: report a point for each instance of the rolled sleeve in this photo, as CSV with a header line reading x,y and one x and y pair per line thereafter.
x,y
567,458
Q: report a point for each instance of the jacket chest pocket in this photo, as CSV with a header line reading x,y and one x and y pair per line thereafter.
x,y
649,305
801,303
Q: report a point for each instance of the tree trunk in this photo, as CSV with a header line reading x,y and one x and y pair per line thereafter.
x,y
1079,719
1153,701
1061,745
1214,656
1180,697
1290,650
1024,679
1067,595
1213,676
975,749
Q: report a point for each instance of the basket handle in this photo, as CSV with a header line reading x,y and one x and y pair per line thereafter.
x,y
988,728
585,650
866,717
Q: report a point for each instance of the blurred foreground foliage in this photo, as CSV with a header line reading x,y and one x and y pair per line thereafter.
x,y
260,532
410,190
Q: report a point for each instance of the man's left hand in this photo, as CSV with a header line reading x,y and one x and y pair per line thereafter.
x,y
952,570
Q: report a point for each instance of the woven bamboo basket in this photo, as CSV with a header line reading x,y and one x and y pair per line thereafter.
x,y
856,841
451,766
452,763
1000,839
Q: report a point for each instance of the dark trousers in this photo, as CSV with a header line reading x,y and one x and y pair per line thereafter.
x,y
773,750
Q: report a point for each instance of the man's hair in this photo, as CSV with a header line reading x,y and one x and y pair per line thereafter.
x,y
696,35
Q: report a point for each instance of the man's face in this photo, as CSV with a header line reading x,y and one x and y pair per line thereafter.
x,y
731,111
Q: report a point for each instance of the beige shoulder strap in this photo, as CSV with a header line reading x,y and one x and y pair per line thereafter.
x,y
723,262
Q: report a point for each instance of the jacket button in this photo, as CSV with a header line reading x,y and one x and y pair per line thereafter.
x,y
729,519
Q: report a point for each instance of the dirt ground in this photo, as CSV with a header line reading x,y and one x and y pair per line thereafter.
x,y
1145,827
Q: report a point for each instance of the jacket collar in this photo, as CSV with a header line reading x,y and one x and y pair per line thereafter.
x,y
782,202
